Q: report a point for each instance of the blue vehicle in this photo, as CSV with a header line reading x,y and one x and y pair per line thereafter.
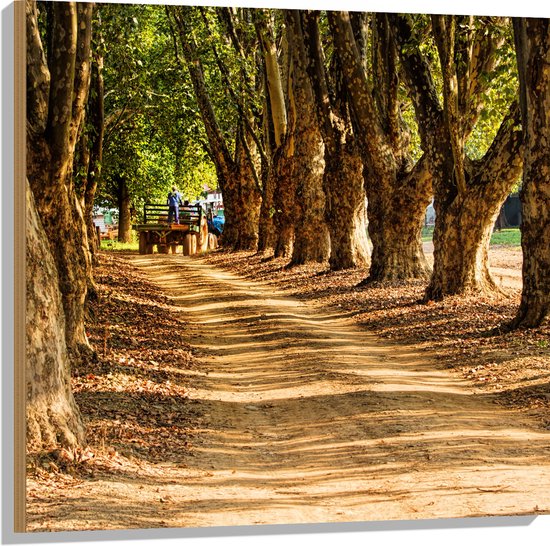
x,y
218,222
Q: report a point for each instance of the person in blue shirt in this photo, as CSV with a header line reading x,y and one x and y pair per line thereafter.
x,y
174,202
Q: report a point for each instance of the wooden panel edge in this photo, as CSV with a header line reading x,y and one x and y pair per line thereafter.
x,y
19,265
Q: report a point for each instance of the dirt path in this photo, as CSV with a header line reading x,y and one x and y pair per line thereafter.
x,y
307,418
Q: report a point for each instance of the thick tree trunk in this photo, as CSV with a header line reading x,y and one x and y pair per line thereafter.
x,y
266,230
395,226
461,243
284,200
272,229
533,48
248,209
54,121
124,214
228,188
345,211
53,418
311,235
468,194
241,200
398,192
465,217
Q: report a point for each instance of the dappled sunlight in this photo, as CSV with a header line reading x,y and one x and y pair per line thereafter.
x,y
296,413
319,380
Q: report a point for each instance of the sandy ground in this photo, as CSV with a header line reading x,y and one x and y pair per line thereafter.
x,y
305,417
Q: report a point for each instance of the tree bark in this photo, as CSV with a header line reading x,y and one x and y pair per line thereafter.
x,y
274,90
398,191
124,215
533,54
345,210
277,208
56,96
266,231
343,176
311,236
284,199
468,194
248,200
53,419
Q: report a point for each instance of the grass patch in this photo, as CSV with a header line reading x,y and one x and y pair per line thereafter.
x,y
118,246
504,237
508,237
427,233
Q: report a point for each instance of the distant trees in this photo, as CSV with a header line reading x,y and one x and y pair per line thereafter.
x,y
233,159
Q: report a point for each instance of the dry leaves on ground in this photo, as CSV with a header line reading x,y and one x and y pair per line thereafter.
x,y
133,392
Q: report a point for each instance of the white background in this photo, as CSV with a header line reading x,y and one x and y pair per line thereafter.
x,y
488,531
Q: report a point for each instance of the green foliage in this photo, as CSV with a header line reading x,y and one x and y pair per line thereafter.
x,y
154,135
427,234
153,130
502,91
504,237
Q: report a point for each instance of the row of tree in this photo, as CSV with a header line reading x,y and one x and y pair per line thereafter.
x,y
298,116
344,96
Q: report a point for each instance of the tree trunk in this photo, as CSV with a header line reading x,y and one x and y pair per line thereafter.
x,y
248,201
241,200
228,187
533,52
284,200
465,218
311,235
241,196
266,230
398,191
56,95
124,214
53,419
396,218
467,194
275,130
345,211
461,243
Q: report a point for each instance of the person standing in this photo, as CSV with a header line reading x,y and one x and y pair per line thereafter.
x,y
174,202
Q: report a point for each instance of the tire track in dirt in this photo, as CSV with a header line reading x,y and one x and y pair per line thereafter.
x,y
306,417
325,423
